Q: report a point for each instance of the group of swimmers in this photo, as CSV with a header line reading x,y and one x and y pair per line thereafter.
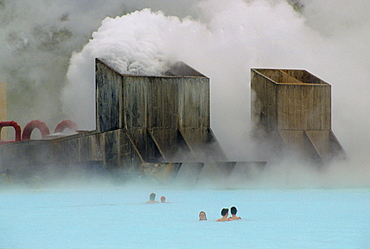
x,y
152,199
202,214
224,214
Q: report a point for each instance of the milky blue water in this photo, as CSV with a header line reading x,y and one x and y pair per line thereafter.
x,y
117,217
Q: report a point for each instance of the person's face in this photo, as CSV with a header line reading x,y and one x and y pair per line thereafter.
x,y
163,199
202,216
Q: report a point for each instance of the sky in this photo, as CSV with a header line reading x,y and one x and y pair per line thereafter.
x,y
48,50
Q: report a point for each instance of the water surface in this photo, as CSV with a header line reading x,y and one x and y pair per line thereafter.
x,y
117,217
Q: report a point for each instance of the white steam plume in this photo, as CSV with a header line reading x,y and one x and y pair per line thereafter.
x,y
136,43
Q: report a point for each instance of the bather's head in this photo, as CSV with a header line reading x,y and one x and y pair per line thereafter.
x,y
224,211
233,210
163,199
202,215
152,196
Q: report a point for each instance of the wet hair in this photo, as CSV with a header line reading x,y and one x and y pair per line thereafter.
x,y
224,211
152,196
233,210
204,215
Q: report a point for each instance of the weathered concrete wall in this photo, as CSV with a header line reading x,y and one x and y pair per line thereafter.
x,y
159,112
294,106
108,98
290,104
31,154
303,107
107,150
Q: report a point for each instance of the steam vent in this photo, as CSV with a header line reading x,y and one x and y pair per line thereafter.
x,y
292,108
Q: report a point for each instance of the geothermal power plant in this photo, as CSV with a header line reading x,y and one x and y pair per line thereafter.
x,y
158,127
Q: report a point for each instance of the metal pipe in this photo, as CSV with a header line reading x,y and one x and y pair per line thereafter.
x,y
16,126
66,124
30,126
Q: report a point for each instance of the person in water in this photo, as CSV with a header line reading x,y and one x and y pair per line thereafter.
x,y
152,199
233,212
163,200
202,215
225,214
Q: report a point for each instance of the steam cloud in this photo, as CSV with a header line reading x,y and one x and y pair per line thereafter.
x,y
221,39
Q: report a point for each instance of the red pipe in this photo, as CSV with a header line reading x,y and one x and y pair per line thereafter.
x,y
17,128
30,126
66,124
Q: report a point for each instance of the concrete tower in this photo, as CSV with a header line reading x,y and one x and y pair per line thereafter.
x,y
293,108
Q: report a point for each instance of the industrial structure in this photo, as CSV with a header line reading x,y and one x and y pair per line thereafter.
x,y
145,125
159,127
292,108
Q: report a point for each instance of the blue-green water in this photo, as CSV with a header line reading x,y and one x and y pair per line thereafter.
x,y
117,217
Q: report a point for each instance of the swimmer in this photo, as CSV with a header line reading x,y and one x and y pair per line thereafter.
x,y
163,200
152,199
202,215
225,213
233,212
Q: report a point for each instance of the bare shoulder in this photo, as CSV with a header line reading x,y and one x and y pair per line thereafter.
x,y
151,202
235,218
225,219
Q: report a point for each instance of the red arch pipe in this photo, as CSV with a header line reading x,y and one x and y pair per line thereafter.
x,y
16,126
30,126
65,124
